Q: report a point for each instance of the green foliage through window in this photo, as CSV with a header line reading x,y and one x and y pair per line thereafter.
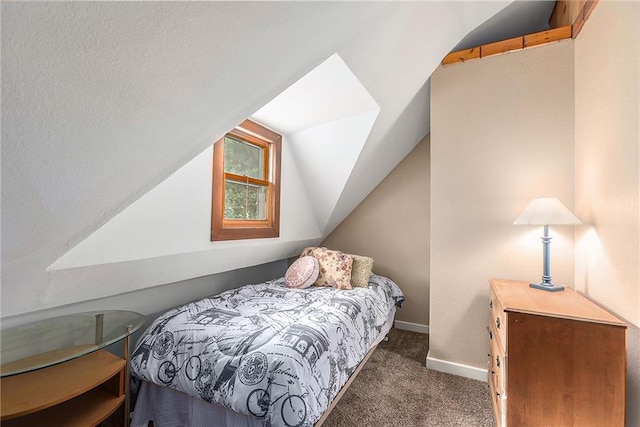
x,y
245,201
242,158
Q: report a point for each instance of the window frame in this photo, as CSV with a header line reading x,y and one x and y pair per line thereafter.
x,y
235,229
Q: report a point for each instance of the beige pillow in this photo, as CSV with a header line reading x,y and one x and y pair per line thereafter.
x,y
335,267
361,271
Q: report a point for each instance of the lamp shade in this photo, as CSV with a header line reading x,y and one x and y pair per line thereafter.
x,y
546,211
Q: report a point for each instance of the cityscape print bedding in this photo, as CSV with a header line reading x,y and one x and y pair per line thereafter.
x,y
276,353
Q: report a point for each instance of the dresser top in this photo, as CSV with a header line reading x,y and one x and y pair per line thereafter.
x,y
517,296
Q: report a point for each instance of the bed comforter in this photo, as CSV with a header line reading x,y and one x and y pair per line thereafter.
x,y
275,353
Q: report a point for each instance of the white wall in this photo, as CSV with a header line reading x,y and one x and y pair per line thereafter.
x,y
607,155
501,135
325,155
102,101
607,58
151,302
175,218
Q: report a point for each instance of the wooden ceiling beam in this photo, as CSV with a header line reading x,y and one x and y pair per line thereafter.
x,y
565,9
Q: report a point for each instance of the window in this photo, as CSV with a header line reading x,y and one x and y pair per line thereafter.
x,y
246,184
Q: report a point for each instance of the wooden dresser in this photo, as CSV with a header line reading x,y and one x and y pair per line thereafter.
x,y
557,359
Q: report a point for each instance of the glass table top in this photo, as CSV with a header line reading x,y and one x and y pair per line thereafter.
x,y
46,342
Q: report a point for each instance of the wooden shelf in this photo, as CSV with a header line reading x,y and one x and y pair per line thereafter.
x,y
78,393
88,409
37,390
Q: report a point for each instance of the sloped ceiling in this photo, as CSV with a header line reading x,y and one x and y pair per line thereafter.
x,y
324,118
103,101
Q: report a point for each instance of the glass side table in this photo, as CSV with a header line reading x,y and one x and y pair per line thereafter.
x,y
56,371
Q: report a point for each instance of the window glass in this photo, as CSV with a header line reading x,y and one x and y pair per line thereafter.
x,y
241,158
245,201
245,196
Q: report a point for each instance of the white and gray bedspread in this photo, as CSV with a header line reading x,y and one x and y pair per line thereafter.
x,y
275,353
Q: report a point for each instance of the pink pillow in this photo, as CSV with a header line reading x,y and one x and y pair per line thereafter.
x,y
302,273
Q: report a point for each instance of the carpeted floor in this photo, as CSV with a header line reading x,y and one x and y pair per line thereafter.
x,y
395,389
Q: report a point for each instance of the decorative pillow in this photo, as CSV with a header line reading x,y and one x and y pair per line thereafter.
x,y
302,273
335,267
361,271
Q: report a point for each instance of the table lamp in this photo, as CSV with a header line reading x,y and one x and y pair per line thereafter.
x,y
546,211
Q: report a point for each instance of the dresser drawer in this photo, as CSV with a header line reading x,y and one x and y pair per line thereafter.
x,y
498,320
497,330
498,405
497,368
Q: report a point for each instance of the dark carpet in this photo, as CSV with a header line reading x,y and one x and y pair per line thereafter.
x,y
395,389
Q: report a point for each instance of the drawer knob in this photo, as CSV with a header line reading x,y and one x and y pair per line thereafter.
x,y
498,322
498,361
490,333
490,304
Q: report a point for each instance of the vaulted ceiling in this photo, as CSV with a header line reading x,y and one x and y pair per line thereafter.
x,y
108,106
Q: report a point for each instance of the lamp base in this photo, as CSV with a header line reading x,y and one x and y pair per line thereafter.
x,y
547,287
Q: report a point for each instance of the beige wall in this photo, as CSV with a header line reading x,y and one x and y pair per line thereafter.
x,y
392,226
512,127
607,58
501,134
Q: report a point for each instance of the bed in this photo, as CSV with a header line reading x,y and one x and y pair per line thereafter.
x,y
260,355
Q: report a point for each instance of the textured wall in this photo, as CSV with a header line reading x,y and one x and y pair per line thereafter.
x,y
392,226
607,57
101,101
501,135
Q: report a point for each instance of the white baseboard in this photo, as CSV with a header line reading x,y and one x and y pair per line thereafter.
x,y
413,327
456,369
